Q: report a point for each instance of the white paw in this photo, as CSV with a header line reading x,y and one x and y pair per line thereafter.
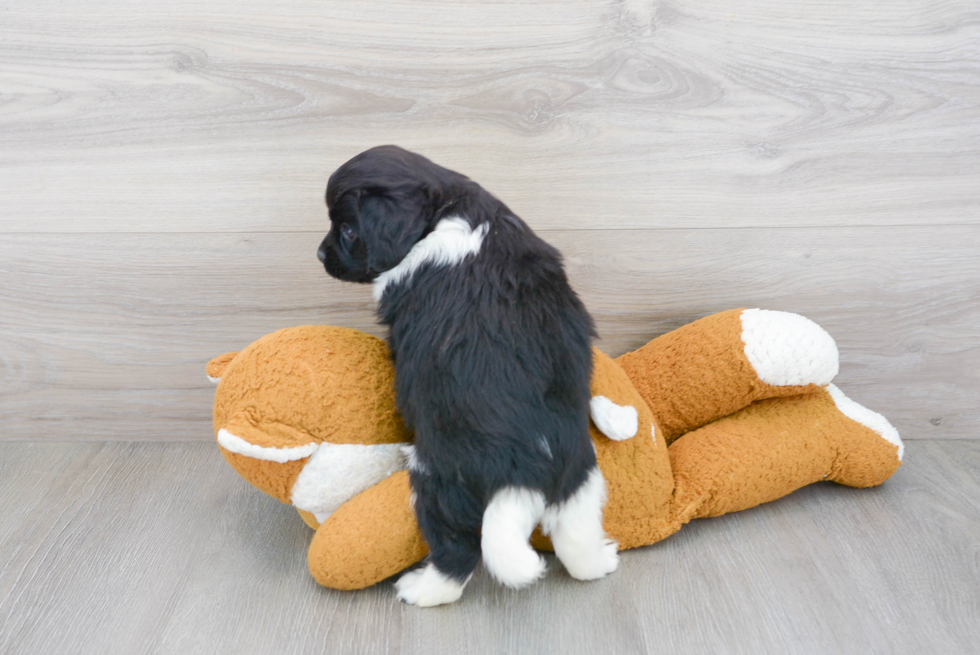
x,y
521,567
427,587
597,565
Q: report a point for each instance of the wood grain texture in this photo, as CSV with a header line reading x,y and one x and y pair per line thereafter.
x,y
106,336
161,548
228,116
162,170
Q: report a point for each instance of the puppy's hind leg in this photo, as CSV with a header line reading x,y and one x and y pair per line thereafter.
x,y
575,527
508,521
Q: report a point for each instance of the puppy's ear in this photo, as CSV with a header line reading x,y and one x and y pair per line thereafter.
x,y
391,225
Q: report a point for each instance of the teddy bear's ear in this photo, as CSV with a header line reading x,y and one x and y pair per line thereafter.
x,y
615,406
216,367
618,422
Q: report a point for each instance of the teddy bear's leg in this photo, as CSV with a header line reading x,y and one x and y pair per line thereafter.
x,y
369,538
722,363
776,446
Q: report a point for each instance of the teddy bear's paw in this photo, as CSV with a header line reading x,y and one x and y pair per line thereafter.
x,y
787,349
428,587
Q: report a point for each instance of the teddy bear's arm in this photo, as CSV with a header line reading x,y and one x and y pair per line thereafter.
x,y
722,363
369,538
776,446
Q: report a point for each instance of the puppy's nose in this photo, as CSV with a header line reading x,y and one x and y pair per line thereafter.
x,y
321,254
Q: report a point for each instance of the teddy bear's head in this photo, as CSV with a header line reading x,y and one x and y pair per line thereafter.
x,y
307,414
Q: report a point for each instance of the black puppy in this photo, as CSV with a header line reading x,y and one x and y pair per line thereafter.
x,y
492,367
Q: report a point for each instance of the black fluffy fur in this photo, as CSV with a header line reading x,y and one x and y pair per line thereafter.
x,y
492,356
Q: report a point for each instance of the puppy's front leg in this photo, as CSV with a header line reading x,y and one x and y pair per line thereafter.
x,y
445,518
428,587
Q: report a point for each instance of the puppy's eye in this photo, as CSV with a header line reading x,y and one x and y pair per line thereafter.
x,y
348,233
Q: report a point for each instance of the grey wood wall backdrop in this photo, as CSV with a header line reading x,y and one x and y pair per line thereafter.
x,y
162,167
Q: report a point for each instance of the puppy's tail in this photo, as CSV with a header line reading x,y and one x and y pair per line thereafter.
x,y
507,525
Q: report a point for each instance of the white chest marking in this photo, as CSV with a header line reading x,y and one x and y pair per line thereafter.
x,y
449,243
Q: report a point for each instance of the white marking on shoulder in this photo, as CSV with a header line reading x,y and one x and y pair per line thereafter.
x,y
452,241
214,380
617,422
787,349
866,417
338,472
239,446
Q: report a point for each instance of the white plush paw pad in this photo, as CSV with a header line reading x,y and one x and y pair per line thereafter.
x,y
427,587
868,418
788,349
618,422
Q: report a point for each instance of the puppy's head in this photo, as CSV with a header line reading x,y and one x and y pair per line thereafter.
x,y
381,203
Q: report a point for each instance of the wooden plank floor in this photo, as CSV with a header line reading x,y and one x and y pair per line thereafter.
x,y
162,548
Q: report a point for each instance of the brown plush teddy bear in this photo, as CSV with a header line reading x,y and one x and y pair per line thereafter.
x,y
723,414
